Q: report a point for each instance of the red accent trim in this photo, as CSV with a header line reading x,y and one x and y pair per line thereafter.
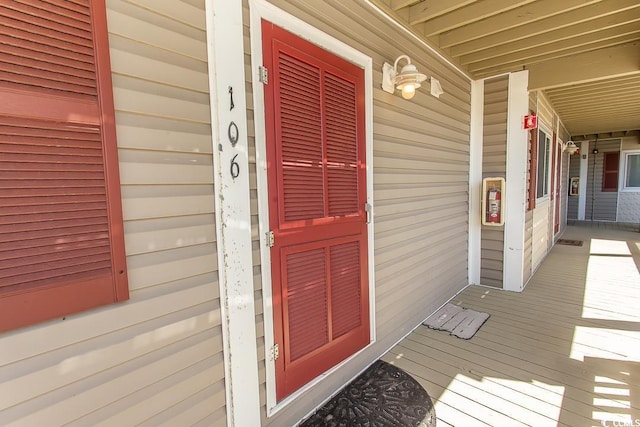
x,y
110,147
558,173
533,169
610,170
552,153
28,307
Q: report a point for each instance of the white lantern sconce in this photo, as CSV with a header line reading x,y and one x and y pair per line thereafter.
x,y
570,147
407,80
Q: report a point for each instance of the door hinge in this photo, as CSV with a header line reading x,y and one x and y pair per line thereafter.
x,y
274,353
263,74
270,239
369,210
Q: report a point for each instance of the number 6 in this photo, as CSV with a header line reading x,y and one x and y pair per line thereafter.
x,y
235,168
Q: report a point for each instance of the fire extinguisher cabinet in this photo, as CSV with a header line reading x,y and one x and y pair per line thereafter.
x,y
493,201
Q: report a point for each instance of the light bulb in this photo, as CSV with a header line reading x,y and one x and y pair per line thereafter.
x,y
408,90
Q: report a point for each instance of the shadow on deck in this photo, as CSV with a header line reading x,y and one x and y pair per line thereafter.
x,y
565,351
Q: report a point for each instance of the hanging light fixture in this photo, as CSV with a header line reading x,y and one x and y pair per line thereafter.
x,y
407,80
570,147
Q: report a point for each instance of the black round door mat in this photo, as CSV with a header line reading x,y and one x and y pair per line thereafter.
x,y
381,396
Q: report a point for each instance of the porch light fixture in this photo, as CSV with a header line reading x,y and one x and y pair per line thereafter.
x,y
570,147
407,80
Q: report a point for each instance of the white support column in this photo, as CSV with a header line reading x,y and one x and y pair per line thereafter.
x,y
582,189
233,219
475,180
516,182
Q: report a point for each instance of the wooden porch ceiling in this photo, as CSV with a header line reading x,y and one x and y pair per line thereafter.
x,y
584,54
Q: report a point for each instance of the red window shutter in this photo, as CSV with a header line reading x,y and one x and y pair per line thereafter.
x,y
61,232
611,165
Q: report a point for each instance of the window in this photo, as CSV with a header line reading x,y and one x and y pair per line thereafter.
x,y
610,171
543,166
631,171
61,232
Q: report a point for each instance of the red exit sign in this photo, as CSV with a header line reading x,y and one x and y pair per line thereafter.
x,y
530,121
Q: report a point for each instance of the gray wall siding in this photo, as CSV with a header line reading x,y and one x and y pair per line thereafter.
x,y
600,205
421,176
156,358
494,164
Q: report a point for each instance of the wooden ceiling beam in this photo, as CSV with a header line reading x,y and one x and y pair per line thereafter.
x,y
557,50
586,128
628,90
584,67
479,71
400,4
603,111
509,19
606,27
469,14
584,15
616,83
429,9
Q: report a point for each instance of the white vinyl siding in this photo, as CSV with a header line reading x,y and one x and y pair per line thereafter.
x,y
542,220
421,175
494,164
157,358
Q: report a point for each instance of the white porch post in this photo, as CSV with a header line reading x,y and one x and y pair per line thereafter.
x,y
582,189
475,180
232,209
516,182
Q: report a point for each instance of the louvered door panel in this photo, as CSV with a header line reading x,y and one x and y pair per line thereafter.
x,y
342,148
346,292
61,234
301,139
306,291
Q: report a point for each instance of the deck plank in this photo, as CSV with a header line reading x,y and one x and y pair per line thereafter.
x,y
565,351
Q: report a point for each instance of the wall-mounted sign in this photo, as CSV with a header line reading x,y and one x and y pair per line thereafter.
x,y
530,121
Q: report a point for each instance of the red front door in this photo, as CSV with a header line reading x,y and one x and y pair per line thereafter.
x,y
314,103
556,190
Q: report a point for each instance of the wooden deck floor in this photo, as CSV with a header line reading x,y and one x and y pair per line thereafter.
x,y
565,351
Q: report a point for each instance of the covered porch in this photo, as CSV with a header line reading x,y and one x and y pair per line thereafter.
x,y
565,351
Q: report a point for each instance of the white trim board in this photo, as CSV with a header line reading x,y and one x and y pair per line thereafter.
x,y
516,182
475,180
259,10
232,211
